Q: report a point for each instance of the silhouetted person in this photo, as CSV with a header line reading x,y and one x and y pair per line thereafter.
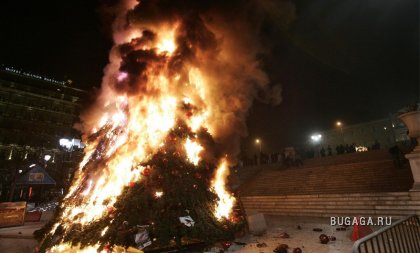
x,y
283,157
353,148
310,153
376,145
347,148
329,150
298,159
342,149
396,154
322,152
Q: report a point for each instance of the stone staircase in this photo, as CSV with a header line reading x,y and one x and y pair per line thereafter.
x,y
367,187
363,177
395,204
373,155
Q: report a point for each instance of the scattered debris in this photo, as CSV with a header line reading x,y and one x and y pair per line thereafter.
x,y
285,246
324,238
280,250
240,243
213,250
261,245
317,229
341,229
47,206
297,250
299,227
284,235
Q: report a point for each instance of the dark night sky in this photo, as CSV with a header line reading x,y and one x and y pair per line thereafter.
x,y
352,60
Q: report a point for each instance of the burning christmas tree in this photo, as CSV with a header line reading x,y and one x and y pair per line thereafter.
x,y
162,133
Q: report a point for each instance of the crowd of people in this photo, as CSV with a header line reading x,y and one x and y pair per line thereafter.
x,y
338,150
290,156
287,157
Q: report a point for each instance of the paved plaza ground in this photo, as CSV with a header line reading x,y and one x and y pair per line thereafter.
x,y
304,238
19,239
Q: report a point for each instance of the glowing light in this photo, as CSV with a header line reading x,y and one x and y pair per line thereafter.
x,y
167,42
226,200
167,45
193,150
104,119
68,248
316,137
122,76
187,100
158,194
104,231
361,149
10,155
197,122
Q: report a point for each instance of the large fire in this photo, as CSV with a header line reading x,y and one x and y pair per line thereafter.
x,y
178,86
135,125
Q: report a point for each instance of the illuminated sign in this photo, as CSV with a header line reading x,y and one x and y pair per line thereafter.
x,y
43,78
36,177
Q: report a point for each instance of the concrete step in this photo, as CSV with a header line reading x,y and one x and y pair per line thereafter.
x,y
317,199
395,215
343,196
292,211
336,203
325,205
329,207
371,176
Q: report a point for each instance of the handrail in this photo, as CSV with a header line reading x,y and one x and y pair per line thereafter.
x,y
409,236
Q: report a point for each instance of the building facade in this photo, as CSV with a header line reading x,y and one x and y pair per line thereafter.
x,y
384,132
35,113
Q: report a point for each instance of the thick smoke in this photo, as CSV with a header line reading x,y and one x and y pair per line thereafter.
x,y
220,38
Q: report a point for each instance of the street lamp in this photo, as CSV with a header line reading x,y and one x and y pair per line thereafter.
x,y
258,142
47,158
316,138
340,125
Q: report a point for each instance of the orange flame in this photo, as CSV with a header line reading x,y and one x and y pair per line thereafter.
x,y
226,200
131,130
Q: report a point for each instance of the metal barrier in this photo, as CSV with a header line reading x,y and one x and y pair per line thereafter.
x,y
401,237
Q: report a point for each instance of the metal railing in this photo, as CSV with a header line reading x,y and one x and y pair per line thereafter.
x,y
401,237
